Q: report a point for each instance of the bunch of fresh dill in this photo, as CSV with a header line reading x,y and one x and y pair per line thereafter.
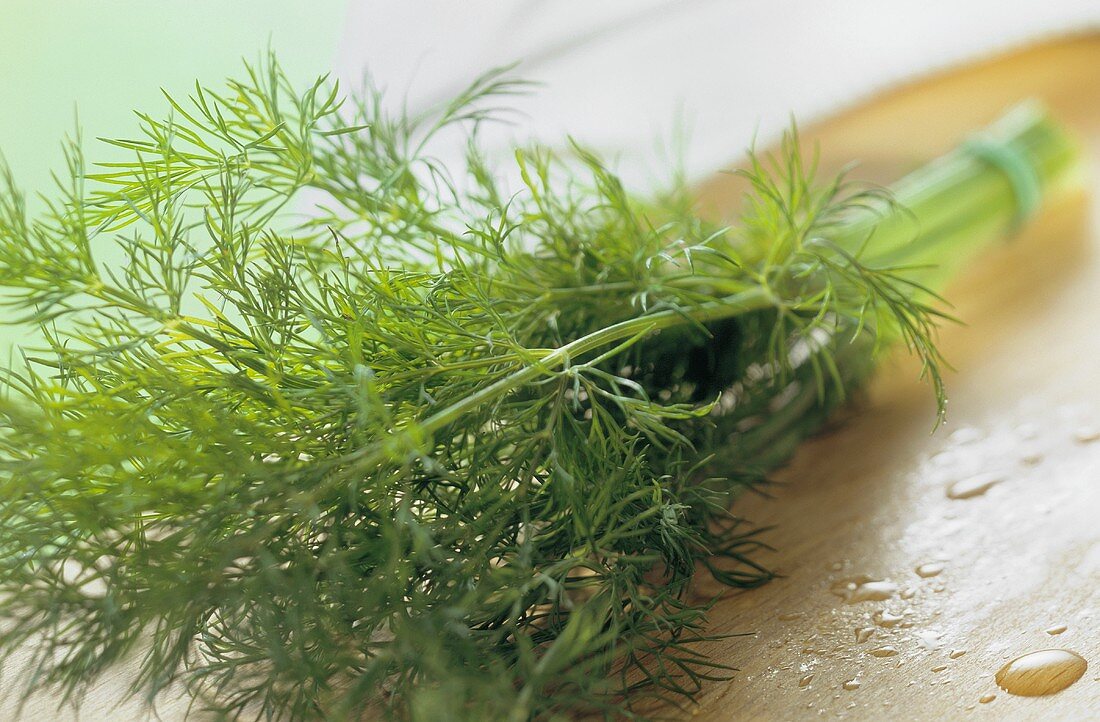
x,y
444,449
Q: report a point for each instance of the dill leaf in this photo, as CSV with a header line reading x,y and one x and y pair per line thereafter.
x,y
445,447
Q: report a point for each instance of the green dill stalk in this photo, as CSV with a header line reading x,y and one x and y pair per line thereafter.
x,y
449,446
956,204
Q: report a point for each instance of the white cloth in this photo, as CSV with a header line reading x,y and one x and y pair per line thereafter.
x,y
618,74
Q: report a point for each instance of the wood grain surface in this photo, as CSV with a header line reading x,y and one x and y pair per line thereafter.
x,y
868,498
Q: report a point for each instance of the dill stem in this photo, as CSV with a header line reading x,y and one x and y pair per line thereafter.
x,y
946,211
634,328
333,485
737,304
955,205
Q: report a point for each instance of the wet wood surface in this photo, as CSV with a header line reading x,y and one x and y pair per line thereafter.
x,y
868,500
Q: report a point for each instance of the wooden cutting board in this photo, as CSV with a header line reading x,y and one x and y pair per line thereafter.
x,y
869,498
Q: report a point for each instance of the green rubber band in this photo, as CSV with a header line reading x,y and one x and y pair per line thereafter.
x,y
1017,168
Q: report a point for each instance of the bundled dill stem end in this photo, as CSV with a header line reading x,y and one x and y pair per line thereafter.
x,y
441,449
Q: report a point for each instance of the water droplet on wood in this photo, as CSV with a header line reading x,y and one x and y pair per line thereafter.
x,y
851,684
966,435
1057,629
972,486
805,681
929,640
886,651
863,634
1087,434
1041,673
886,619
924,571
987,698
1032,458
956,653
863,588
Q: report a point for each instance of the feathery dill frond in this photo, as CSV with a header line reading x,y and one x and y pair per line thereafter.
x,y
445,446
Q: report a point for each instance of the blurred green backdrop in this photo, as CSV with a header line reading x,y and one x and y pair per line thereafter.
x,y
101,59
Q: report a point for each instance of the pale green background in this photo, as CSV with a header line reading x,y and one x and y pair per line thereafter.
x,y
102,59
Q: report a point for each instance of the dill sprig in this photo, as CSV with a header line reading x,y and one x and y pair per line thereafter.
x,y
447,447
